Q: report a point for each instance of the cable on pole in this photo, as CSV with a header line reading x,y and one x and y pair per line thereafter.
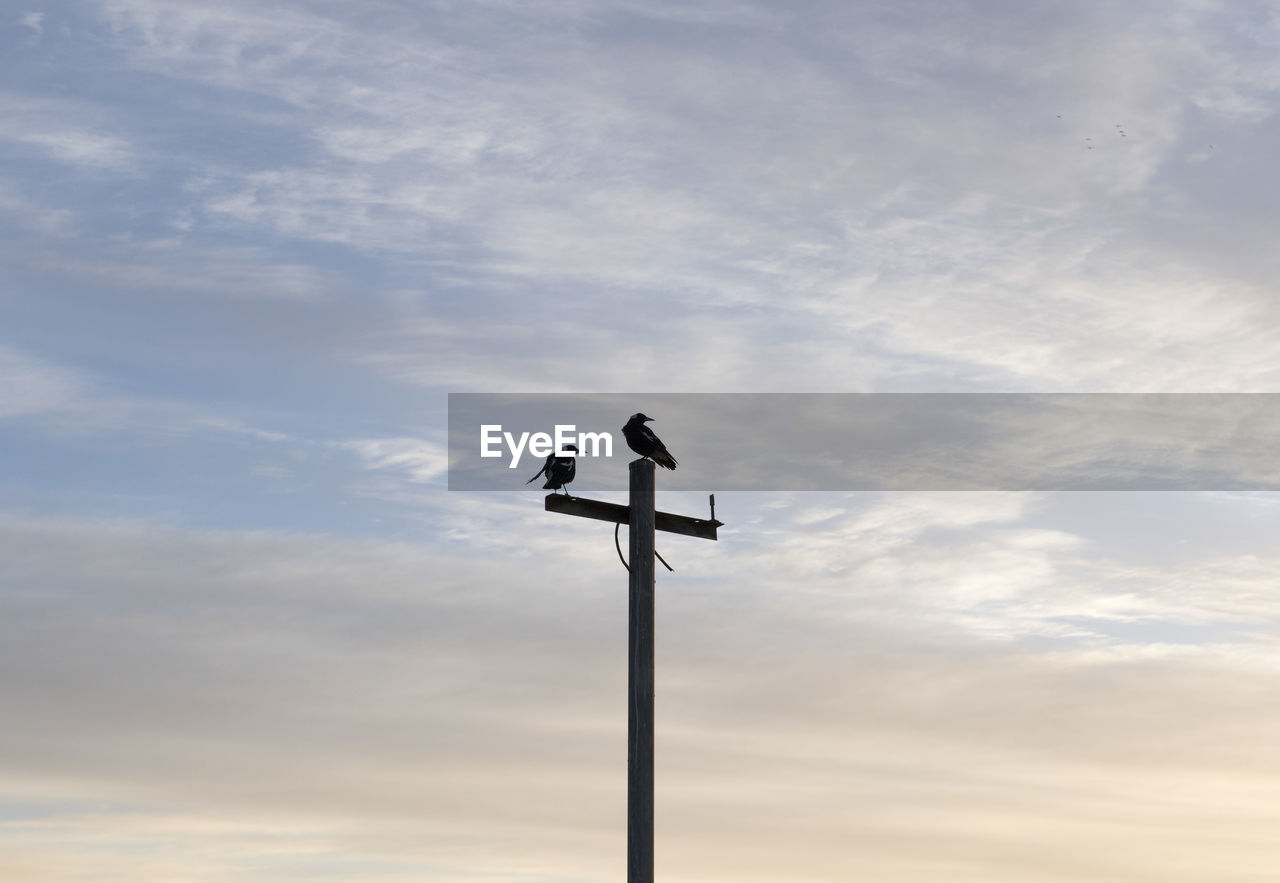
x,y
618,545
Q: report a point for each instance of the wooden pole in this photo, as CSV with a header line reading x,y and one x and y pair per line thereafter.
x,y
640,678
643,521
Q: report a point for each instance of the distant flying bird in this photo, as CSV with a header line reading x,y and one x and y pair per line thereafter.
x,y
641,439
558,470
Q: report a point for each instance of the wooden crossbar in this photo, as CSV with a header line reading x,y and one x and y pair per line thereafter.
x,y
618,514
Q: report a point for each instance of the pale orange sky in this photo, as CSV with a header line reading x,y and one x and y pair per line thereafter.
x,y
273,707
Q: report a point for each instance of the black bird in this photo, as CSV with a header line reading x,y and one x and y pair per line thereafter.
x,y
558,470
641,439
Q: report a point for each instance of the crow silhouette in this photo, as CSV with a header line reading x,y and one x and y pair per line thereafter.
x,y
558,470
641,439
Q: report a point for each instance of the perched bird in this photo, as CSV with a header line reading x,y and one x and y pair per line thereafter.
x,y
558,470
641,439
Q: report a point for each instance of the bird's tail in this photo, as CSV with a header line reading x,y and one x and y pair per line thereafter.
x,y
663,459
536,477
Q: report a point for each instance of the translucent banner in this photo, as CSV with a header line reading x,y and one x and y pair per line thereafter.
x,y
877,441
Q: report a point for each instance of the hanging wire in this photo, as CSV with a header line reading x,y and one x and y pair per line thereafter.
x,y
617,525
617,544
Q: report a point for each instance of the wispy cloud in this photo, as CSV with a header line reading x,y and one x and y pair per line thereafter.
x,y
38,393
67,131
30,212
175,266
30,385
421,461
34,22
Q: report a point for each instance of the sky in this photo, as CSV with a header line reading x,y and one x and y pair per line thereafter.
x,y
247,251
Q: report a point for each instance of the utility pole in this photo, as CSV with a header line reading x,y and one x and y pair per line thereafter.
x,y
643,521
640,677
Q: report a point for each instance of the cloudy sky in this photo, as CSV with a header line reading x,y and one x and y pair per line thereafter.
x,y
246,251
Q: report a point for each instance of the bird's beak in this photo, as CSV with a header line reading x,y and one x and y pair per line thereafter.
x,y
647,420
